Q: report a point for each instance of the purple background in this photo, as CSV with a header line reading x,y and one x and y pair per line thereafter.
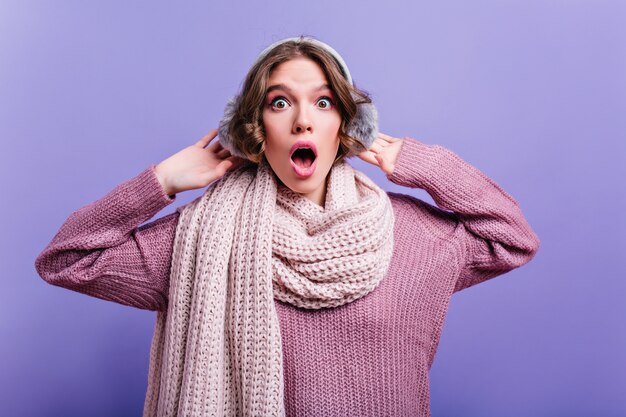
x,y
533,93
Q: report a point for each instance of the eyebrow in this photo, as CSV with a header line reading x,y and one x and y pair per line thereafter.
x,y
284,87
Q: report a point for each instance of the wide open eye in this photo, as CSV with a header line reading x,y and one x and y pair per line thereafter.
x,y
326,101
279,103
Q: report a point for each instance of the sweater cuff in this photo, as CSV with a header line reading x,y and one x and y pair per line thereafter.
x,y
147,192
170,198
416,162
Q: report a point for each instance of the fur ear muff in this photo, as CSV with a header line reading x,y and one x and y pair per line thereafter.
x,y
223,132
364,126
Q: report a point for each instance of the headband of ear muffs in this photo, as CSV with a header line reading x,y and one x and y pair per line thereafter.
x,y
364,126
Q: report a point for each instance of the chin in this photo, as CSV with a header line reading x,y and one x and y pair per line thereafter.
x,y
306,185
303,190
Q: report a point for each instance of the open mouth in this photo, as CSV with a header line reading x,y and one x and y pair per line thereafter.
x,y
303,157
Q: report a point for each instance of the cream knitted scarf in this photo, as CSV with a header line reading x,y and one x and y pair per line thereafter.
x,y
247,240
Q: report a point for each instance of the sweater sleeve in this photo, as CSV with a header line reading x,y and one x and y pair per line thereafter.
x,y
495,234
100,250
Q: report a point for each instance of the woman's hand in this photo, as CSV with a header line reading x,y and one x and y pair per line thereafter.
x,y
383,153
196,166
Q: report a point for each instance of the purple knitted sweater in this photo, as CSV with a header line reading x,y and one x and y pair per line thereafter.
x,y
370,357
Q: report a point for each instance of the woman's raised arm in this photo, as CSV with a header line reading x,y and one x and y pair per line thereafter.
x,y
496,236
100,250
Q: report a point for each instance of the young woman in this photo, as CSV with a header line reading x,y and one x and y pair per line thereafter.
x,y
294,285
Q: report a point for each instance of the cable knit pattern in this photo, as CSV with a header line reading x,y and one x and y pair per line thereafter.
x,y
327,257
368,357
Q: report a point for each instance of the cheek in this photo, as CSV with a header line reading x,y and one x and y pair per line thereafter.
x,y
271,120
274,140
270,128
268,124
333,129
336,123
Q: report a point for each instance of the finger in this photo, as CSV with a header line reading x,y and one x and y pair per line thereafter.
x,y
387,138
235,160
223,153
383,164
207,138
383,136
369,156
215,147
376,147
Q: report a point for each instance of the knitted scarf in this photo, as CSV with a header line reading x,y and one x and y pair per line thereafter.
x,y
246,241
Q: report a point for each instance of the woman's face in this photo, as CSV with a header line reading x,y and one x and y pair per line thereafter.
x,y
299,111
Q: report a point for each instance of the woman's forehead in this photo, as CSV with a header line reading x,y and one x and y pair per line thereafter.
x,y
288,89
298,73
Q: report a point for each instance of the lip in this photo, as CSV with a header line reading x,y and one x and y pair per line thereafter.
x,y
303,172
300,171
303,144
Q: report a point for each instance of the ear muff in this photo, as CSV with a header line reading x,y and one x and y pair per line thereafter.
x,y
223,131
364,126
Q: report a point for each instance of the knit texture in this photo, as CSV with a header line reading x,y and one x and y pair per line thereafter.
x,y
370,357
217,350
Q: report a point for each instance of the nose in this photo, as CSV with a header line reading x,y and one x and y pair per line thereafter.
x,y
303,122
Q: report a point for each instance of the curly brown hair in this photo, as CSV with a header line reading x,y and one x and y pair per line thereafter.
x,y
246,127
